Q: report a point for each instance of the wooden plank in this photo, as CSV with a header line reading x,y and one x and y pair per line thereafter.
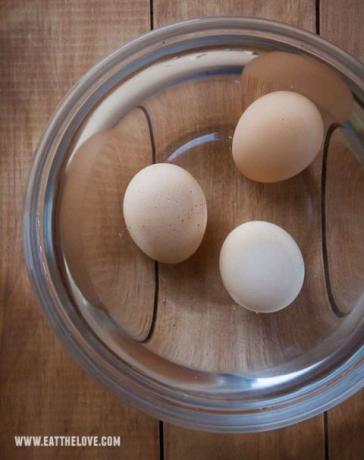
x,y
45,47
299,442
302,441
297,13
345,429
341,23
344,221
109,270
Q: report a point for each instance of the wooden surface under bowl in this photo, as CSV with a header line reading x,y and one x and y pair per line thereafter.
x,y
47,47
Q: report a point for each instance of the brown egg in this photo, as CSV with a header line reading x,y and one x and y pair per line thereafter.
x,y
278,71
277,137
165,212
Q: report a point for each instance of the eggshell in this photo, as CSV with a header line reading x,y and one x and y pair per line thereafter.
x,y
278,70
277,137
165,212
261,267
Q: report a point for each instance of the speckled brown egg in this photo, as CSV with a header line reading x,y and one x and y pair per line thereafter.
x,y
165,212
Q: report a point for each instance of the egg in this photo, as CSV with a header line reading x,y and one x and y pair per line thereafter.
x,y
277,137
165,212
278,70
261,267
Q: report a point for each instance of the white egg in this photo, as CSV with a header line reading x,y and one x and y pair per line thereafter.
x,y
165,212
261,266
277,137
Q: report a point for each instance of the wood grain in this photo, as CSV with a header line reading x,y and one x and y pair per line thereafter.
x,y
109,270
342,23
295,12
345,429
45,47
344,222
302,441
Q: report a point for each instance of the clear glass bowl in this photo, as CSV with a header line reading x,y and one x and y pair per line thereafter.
x,y
168,339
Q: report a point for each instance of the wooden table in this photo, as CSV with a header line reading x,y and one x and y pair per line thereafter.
x,y
46,45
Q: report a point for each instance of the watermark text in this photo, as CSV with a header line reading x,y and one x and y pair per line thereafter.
x,y
67,441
